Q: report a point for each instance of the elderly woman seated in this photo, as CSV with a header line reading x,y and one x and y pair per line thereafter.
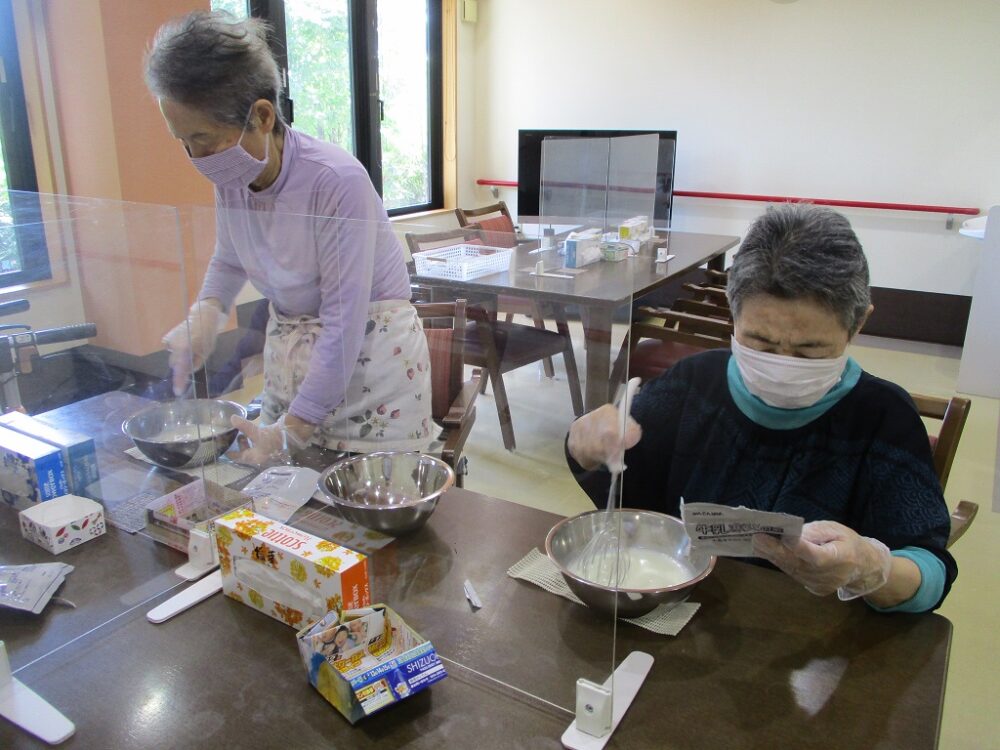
x,y
788,422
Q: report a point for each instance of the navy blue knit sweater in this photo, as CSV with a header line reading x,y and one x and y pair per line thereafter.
x,y
865,463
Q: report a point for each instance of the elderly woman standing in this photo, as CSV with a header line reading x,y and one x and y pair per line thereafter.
x,y
788,422
345,362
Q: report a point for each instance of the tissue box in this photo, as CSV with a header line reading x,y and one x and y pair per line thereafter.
x,y
636,228
78,452
62,523
583,248
30,471
362,662
288,574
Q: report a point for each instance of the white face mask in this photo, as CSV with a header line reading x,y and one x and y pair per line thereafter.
x,y
787,382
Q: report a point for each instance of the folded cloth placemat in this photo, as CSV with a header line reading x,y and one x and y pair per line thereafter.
x,y
220,472
536,568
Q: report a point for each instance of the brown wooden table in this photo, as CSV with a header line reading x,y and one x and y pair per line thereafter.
x,y
599,290
762,664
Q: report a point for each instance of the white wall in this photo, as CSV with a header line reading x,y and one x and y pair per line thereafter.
x,y
883,101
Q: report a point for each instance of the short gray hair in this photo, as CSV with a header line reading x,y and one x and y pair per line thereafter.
x,y
215,63
801,251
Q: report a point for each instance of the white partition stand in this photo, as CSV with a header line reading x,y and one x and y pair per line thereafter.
x,y
979,371
622,687
21,705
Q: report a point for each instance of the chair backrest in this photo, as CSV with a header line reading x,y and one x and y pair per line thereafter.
x,y
953,413
498,229
693,329
716,295
705,309
446,352
716,278
417,241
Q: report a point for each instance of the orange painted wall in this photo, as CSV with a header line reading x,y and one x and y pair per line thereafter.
x,y
116,146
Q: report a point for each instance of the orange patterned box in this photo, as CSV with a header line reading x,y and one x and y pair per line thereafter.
x,y
288,574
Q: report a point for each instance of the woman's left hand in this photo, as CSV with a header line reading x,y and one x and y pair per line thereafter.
x,y
273,442
829,557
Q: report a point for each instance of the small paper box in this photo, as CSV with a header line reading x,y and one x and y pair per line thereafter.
x,y
31,471
78,451
288,574
364,661
62,523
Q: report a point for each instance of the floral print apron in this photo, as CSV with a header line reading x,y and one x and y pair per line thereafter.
x,y
388,401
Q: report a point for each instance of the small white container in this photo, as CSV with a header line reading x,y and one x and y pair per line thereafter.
x,y
62,523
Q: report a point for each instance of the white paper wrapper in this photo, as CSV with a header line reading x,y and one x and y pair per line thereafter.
x,y
30,587
728,532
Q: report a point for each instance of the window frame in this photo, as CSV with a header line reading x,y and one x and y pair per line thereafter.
x,y
367,103
19,162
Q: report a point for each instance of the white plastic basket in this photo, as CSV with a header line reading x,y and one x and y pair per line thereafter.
x,y
462,262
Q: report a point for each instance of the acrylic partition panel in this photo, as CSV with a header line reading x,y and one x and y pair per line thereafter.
x,y
574,180
603,181
632,175
551,334
80,353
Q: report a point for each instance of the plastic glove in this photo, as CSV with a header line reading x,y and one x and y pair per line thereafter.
x,y
596,438
829,557
272,442
191,342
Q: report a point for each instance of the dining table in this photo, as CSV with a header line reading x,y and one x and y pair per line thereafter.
x,y
599,290
761,663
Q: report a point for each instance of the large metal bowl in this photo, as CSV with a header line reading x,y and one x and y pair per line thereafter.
x,y
184,433
391,492
658,548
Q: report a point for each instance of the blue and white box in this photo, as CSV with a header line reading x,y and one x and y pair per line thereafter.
x,y
31,471
364,660
583,248
79,453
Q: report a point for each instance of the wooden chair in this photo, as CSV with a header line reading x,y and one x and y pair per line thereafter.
x,y
660,337
705,309
453,399
715,295
953,413
495,222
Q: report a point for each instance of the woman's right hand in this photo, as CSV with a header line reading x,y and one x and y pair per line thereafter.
x,y
190,343
596,438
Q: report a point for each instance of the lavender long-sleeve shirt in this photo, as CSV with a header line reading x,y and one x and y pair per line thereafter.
x,y
306,264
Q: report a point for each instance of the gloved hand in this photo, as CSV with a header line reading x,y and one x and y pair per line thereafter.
x,y
829,557
596,438
191,342
276,442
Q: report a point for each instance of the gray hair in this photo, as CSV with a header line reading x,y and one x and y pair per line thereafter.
x,y
215,63
801,251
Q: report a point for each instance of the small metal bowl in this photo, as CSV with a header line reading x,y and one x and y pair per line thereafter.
x,y
391,492
185,433
653,541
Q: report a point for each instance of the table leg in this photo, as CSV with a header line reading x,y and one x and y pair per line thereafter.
x,y
597,334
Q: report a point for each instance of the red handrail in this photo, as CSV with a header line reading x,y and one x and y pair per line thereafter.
x,y
965,210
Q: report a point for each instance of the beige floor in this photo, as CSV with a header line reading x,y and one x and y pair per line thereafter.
x,y
535,474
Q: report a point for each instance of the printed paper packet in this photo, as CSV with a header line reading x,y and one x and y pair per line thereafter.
x,y
728,532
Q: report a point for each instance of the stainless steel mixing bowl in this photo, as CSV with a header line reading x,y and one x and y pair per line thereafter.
x,y
391,492
184,433
646,535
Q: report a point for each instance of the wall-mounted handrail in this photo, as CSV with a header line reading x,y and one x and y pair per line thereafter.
x,y
920,207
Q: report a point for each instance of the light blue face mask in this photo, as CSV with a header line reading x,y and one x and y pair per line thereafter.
x,y
234,167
